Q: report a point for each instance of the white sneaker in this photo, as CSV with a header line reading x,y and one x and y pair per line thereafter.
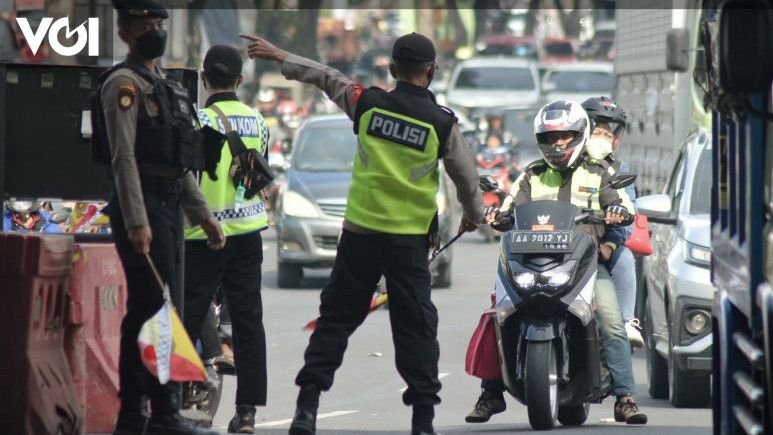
x,y
633,329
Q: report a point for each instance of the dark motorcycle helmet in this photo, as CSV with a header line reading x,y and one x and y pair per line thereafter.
x,y
562,115
603,110
24,207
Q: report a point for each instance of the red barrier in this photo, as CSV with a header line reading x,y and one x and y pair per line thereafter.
x,y
38,396
93,333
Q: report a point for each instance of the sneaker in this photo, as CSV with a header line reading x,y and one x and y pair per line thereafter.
x,y
627,411
633,329
243,421
488,404
175,424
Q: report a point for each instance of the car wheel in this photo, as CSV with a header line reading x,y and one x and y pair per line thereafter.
x,y
443,279
657,367
686,390
289,275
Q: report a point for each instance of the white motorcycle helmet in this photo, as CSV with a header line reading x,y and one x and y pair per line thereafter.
x,y
562,115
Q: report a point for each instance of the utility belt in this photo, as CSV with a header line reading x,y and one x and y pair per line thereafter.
x,y
159,170
166,187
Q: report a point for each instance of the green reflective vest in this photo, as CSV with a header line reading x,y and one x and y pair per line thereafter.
x,y
395,176
250,215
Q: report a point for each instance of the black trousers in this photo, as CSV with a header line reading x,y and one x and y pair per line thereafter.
x,y
237,270
144,295
361,260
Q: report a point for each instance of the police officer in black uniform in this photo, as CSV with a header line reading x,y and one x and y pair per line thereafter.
x,y
390,215
143,126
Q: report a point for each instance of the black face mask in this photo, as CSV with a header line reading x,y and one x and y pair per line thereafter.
x,y
151,44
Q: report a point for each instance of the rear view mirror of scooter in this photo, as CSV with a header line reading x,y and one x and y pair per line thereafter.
x,y
621,180
487,183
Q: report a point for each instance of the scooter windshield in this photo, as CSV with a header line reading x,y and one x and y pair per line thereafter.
x,y
545,216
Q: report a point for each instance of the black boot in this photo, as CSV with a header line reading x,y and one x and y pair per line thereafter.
x,y
421,422
132,417
305,420
243,421
166,419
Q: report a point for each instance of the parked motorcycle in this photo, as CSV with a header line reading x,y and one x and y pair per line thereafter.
x,y
548,339
27,216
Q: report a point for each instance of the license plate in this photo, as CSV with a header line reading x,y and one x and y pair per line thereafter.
x,y
540,241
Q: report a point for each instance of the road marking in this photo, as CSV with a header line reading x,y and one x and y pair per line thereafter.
x,y
440,376
289,420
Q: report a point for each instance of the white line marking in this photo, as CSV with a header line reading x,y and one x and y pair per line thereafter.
x,y
289,420
440,376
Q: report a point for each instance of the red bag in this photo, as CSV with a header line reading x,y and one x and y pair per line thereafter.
x,y
639,242
482,354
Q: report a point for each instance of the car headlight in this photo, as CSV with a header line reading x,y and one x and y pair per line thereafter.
x,y
295,204
697,322
697,255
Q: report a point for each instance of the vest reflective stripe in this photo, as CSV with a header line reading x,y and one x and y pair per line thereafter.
x,y
395,176
251,214
545,187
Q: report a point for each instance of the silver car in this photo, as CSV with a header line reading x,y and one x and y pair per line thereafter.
x,y
677,278
312,205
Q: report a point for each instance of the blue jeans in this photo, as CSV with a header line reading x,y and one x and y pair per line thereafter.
x,y
617,350
623,272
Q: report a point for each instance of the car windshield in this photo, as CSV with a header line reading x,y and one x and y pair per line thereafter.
x,y
700,200
559,49
325,150
495,78
581,81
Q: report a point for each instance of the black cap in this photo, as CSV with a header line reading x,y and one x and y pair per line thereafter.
x,y
140,9
413,47
223,61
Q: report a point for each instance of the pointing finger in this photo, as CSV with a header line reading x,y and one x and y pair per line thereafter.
x,y
250,37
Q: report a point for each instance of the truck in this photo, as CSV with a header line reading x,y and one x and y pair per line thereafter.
x,y
739,79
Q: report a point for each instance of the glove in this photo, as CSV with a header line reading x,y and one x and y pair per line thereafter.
x,y
620,211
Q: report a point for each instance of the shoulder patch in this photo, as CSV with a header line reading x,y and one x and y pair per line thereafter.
x,y
126,95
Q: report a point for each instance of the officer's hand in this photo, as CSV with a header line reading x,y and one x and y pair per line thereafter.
x,y
262,49
606,252
140,237
467,225
215,237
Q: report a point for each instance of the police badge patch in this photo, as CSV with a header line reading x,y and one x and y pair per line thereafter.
x,y
126,94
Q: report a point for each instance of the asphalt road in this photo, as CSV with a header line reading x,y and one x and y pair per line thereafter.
x,y
366,396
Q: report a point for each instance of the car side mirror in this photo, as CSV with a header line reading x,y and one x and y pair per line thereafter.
x,y
621,180
745,44
657,208
487,183
677,42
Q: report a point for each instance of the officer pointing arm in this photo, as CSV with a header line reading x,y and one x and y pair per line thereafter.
x,y
347,94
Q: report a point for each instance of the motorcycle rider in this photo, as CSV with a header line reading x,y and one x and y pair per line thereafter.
x,y
567,174
608,129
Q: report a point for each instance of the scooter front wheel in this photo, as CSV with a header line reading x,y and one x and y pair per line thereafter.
x,y
541,384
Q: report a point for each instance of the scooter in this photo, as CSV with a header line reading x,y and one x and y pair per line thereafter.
x,y
547,337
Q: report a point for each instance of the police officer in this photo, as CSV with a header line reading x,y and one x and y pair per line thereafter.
x,y
390,212
144,120
235,269
565,173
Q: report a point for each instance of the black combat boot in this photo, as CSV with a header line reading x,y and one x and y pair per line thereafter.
x,y
305,420
166,419
421,422
243,421
132,417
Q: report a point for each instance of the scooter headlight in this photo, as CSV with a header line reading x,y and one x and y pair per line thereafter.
x,y
557,278
525,279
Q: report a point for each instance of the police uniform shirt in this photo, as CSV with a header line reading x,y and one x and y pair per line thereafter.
x,y
127,97
346,93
